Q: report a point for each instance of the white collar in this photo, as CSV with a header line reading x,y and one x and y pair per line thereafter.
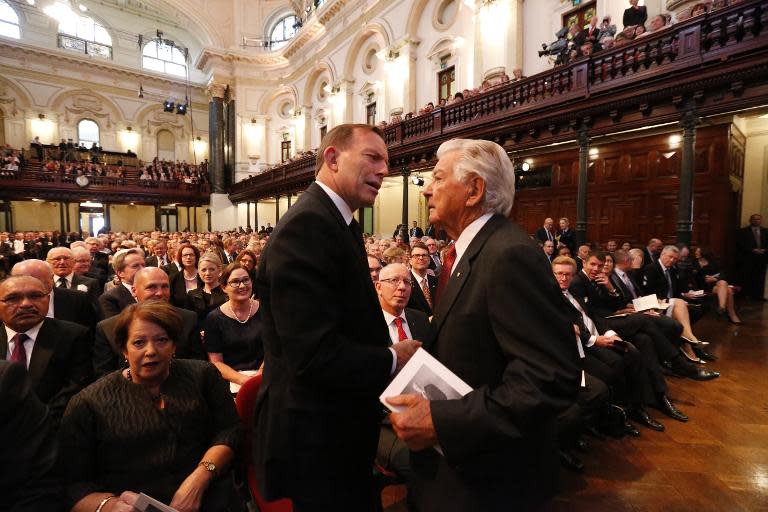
x,y
129,287
389,318
469,233
663,268
419,279
31,333
341,204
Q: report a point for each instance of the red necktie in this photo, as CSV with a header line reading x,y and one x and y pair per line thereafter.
x,y
445,274
400,331
19,353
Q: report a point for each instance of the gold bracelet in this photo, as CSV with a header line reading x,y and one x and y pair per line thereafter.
x,y
104,502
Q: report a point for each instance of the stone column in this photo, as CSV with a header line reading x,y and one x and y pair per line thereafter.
x,y
348,93
216,126
685,195
247,214
277,209
308,124
581,197
158,217
61,217
256,215
107,217
194,217
189,225
406,174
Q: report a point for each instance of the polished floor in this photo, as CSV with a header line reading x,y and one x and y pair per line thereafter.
x,y
718,461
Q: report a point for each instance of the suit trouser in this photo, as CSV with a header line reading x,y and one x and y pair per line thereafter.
x,y
624,371
585,411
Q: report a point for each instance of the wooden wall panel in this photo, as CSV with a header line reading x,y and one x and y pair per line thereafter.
x,y
633,189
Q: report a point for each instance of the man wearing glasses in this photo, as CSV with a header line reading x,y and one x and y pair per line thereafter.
x,y
55,352
424,285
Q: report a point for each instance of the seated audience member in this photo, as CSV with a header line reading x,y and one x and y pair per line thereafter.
x,y
581,256
424,281
660,279
611,246
626,246
549,250
126,263
186,278
565,235
640,31
394,289
394,255
698,9
63,263
159,257
658,22
250,261
607,29
564,251
374,267
612,359
638,262
55,352
712,281
167,430
233,330
208,297
150,283
29,445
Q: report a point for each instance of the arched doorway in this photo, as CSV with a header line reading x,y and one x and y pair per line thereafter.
x,y
166,146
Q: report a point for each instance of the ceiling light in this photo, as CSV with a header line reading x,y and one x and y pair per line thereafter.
x,y
168,106
526,166
82,8
31,2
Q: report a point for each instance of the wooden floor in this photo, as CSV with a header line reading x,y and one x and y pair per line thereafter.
x,y
718,461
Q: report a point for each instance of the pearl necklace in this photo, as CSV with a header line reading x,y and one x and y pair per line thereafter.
x,y
250,310
193,278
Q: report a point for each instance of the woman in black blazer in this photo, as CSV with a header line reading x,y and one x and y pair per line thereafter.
x,y
206,298
187,279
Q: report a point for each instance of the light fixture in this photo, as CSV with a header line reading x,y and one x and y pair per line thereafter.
x,y
130,128
41,116
181,109
675,139
35,199
168,106
525,167
418,181
82,8
198,138
141,91
253,121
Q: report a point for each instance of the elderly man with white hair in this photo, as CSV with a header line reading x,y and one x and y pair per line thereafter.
x,y
500,324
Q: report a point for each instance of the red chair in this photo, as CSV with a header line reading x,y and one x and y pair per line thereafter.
x,y
245,403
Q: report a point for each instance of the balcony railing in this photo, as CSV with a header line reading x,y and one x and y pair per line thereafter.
x,y
697,44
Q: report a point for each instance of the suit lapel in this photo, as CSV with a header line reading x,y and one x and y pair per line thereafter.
x,y
43,351
3,344
461,272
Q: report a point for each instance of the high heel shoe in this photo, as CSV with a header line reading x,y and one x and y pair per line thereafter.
x,y
693,342
737,321
703,354
691,359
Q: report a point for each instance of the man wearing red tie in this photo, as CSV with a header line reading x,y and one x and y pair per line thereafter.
x,y
424,285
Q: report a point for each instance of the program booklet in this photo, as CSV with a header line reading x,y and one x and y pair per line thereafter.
x,y
425,376
649,302
149,504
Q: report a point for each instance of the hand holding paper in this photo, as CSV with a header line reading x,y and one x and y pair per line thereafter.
x,y
414,424
405,350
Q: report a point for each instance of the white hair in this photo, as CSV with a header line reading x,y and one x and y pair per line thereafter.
x,y
670,248
490,162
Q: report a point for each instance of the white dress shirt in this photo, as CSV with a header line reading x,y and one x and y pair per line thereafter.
x,y
390,319
466,236
588,323
29,343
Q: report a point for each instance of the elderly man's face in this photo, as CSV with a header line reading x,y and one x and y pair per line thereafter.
x,y
549,247
61,261
563,275
756,220
82,262
132,264
23,303
152,283
94,246
669,258
549,223
394,288
446,196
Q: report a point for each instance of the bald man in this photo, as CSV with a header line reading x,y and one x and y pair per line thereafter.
x,y
149,283
70,305
62,260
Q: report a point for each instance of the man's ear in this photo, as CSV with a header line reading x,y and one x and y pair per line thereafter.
x,y
330,157
476,190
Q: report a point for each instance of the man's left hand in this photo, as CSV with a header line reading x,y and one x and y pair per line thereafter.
x,y
414,425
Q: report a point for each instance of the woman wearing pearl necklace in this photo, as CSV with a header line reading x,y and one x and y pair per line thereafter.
x,y
233,330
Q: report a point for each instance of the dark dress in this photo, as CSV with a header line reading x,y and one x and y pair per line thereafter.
x,y
203,303
114,439
179,289
240,344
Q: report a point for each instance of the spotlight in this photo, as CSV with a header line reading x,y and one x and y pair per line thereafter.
x,y
168,106
418,181
181,108
526,166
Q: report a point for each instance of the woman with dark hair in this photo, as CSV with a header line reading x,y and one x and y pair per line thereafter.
x,y
187,278
233,330
711,280
208,297
167,428
250,261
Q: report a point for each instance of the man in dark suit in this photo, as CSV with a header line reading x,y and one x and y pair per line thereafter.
x,y
126,263
160,258
549,250
62,261
547,231
497,326
150,283
751,256
651,251
416,231
99,260
325,342
55,352
435,264
82,266
565,235
424,285
29,445
395,289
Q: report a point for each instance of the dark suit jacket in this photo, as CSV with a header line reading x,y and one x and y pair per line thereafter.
x,y
541,234
601,303
115,300
567,239
648,258
418,323
500,326
655,282
196,302
745,242
417,300
108,358
94,289
75,306
151,261
179,289
60,365
171,269
29,445
416,232
326,359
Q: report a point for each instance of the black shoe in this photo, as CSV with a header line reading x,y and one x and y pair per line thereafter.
x,y
613,420
571,462
592,431
665,406
686,369
703,354
641,416
631,430
582,445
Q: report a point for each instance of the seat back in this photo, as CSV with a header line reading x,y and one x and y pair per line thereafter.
x,y
245,402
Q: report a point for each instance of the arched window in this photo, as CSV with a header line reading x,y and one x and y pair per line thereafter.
x,y
283,31
88,133
9,21
164,57
83,34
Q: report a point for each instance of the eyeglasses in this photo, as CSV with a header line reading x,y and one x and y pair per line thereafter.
x,y
61,258
236,283
397,282
563,274
420,256
15,299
